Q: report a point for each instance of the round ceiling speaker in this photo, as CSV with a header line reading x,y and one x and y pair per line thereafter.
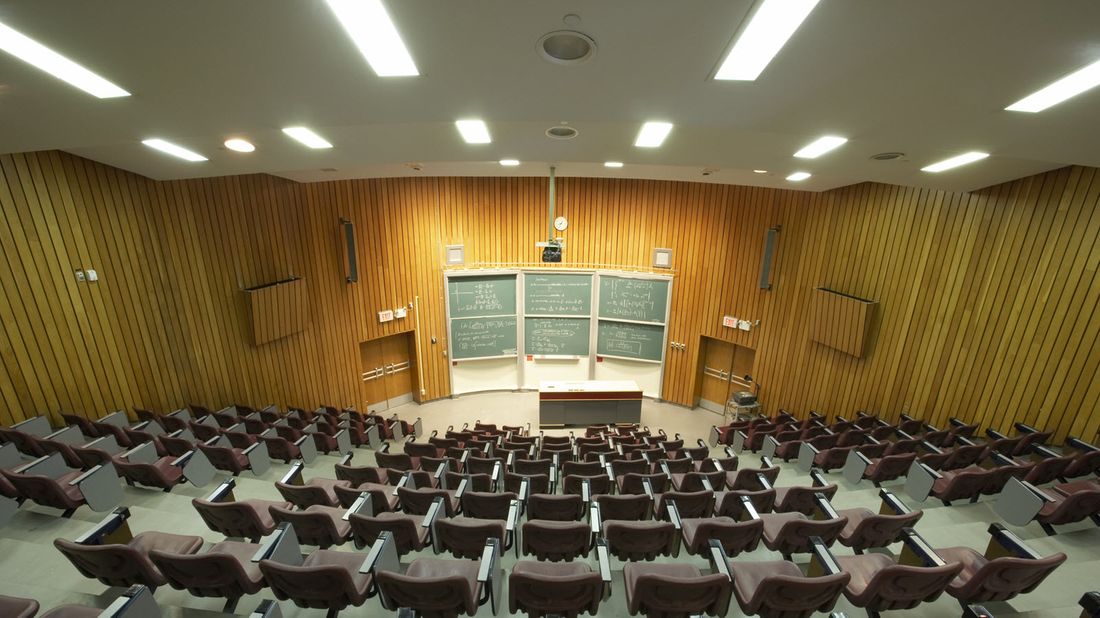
x,y
566,47
561,132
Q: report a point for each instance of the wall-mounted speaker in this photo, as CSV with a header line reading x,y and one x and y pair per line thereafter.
x,y
351,264
768,262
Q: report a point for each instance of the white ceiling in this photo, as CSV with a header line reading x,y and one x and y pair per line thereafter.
x,y
928,78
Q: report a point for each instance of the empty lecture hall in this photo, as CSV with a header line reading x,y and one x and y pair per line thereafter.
x,y
440,308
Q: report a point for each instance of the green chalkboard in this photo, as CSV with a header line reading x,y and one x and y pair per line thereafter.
x,y
483,337
641,300
557,294
642,341
482,295
556,336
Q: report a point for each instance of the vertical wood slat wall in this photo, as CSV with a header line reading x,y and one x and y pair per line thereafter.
x,y
987,300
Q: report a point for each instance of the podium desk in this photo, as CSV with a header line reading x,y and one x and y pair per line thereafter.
x,y
591,402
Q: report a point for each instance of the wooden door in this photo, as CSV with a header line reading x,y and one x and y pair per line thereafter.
x,y
372,374
397,364
716,369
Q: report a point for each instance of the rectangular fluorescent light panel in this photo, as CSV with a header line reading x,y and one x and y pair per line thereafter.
x,y
374,33
953,162
820,147
653,134
174,150
307,137
474,131
34,53
797,176
771,26
613,164
1068,87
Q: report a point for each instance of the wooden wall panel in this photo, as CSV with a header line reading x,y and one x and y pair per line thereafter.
x,y
987,300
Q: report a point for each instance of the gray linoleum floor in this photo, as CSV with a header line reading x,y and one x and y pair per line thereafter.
x,y
31,567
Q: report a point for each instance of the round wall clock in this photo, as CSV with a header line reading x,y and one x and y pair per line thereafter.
x,y
561,223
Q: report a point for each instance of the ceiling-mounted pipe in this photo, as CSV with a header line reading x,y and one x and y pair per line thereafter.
x,y
550,217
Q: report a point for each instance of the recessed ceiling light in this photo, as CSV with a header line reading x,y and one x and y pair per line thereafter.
x,y
509,162
1069,86
653,134
566,47
561,132
374,33
239,145
820,146
307,137
613,164
38,55
174,150
474,131
767,32
953,162
760,171
797,176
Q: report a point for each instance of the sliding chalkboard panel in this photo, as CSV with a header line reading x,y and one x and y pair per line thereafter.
x,y
629,340
557,294
556,336
483,337
482,295
640,300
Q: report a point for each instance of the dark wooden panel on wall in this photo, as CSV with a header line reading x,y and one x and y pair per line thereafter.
x,y
840,321
277,310
987,299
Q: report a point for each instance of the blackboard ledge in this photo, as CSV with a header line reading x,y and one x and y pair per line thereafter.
x,y
539,357
628,358
477,358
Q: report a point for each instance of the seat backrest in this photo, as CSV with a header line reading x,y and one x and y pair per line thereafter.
x,y
622,467
536,483
311,527
1001,579
555,507
734,536
882,530
597,484
404,528
692,504
900,586
556,540
203,575
539,594
623,508
232,519
43,490
727,464
465,537
785,595
663,595
319,587
486,505
633,483
964,456
746,478
176,447
418,501
892,466
222,457
112,564
640,540
482,465
1048,470
420,449
532,466
801,499
429,596
359,474
85,425
304,496
680,466
72,459
146,474
794,536
477,482
1075,507
26,443
730,504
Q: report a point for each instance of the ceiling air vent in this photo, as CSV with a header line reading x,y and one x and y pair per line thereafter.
x,y
561,132
887,156
566,47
